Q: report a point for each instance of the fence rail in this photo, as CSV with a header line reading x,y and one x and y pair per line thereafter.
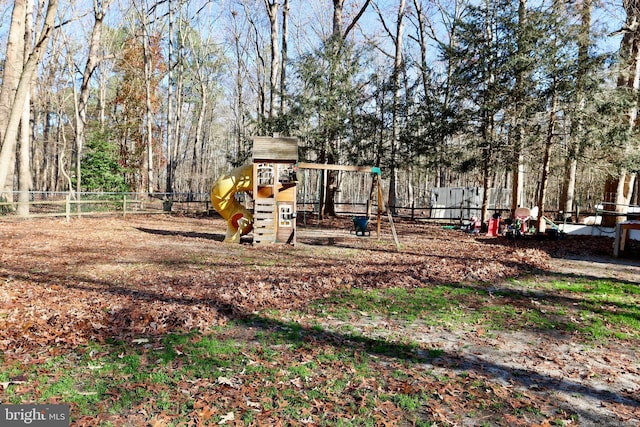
x,y
66,205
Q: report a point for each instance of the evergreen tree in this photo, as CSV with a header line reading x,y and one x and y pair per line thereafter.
x,y
101,170
483,76
325,110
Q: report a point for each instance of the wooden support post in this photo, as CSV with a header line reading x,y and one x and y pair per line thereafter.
x,y
393,227
68,207
370,169
380,205
332,167
622,229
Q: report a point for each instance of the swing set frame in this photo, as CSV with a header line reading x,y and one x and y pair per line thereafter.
x,y
382,206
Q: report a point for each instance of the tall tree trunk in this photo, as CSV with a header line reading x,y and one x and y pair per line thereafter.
x,y
260,68
48,154
24,86
170,115
24,164
424,67
628,77
24,154
422,41
567,198
102,99
395,126
148,61
196,170
272,11
546,160
517,180
239,51
13,66
177,146
37,156
284,49
338,7
338,38
487,182
93,60
488,114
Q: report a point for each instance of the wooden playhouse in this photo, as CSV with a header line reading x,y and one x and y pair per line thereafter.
x,y
274,189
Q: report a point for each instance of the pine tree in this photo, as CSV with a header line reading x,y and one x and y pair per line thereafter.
x,y
483,76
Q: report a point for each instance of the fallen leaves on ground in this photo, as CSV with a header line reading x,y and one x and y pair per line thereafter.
x,y
93,279
64,285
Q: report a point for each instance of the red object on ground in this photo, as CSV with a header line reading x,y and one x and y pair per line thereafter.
x,y
494,223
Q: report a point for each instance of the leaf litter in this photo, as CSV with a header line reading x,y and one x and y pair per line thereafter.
x,y
66,285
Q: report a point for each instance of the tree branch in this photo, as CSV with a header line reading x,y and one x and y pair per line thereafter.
x,y
355,20
384,23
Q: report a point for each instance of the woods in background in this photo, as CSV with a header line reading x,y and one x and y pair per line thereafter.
x,y
539,98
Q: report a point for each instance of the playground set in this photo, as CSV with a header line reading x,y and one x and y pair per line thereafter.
x,y
271,180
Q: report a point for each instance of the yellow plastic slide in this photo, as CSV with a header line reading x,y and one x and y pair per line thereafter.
x,y
239,220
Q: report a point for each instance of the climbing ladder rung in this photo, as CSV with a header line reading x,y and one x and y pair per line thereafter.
x,y
263,221
263,228
262,238
263,216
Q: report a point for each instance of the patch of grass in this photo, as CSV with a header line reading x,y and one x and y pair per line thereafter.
x,y
510,317
319,373
599,288
436,304
608,308
409,402
337,386
434,353
84,393
302,371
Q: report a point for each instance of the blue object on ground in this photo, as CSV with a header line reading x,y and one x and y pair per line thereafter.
x,y
360,224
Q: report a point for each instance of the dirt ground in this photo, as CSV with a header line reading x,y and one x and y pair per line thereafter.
x,y
605,267
600,382
158,276
589,377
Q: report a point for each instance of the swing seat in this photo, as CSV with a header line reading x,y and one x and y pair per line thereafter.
x,y
360,225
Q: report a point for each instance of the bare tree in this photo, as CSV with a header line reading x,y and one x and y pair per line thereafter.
x,y
272,7
284,48
567,200
444,34
92,62
260,63
172,143
629,79
338,18
24,165
339,36
240,51
22,90
12,69
546,158
519,95
398,71
148,65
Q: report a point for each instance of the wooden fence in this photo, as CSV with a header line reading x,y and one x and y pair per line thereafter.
x,y
64,205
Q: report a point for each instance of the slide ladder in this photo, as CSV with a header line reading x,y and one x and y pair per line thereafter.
x,y
263,225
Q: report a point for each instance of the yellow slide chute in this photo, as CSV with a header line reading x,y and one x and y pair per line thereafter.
x,y
239,220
